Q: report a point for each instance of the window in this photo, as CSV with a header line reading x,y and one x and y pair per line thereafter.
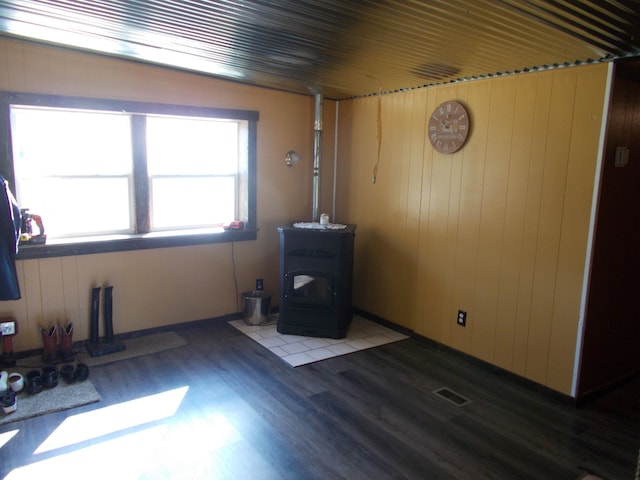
x,y
119,170
74,168
207,173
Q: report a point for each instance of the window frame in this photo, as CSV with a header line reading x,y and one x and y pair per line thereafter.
x,y
136,241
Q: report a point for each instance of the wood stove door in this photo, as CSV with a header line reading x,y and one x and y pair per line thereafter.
x,y
306,289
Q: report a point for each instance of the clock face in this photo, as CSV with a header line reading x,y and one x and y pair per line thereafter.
x,y
448,127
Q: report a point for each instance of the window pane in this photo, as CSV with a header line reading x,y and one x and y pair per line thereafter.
x,y
50,142
82,206
73,168
192,202
191,146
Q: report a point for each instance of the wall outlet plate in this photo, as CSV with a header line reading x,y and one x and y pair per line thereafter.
x,y
7,328
462,318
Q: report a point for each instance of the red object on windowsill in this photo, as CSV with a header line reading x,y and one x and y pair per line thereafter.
x,y
235,225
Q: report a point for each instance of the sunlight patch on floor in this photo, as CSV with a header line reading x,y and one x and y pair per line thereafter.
x,y
175,445
97,423
125,457
6,436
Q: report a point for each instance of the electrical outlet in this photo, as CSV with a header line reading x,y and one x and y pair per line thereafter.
x,y
8,328
259,284
462,318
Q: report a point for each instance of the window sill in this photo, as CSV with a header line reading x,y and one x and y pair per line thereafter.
x,y
122,243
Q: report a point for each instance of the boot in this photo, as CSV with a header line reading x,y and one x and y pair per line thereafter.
x,y
50,339
66,342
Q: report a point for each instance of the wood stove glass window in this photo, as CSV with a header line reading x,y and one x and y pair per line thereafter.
x,y
310,290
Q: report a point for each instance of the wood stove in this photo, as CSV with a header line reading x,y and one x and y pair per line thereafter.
x,y
316,271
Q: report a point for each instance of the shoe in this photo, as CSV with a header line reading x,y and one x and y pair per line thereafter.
x,y
82,372
68,373
8,401
65,350
50,339
50,376
33,383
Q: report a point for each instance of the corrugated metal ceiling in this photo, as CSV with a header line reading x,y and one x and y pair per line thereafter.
x,y
340,48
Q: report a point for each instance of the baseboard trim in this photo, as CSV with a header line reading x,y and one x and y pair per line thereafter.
x,y
138,333
512,377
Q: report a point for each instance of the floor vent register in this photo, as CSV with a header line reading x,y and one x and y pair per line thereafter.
x,y
452,397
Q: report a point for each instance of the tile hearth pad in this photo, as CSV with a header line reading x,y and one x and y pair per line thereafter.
x,y
298,350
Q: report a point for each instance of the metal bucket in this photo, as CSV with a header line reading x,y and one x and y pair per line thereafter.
x,y
257,304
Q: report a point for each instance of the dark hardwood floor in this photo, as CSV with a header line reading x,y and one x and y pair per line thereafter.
x,y
225,408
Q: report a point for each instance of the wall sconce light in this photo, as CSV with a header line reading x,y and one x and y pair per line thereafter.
x,y
292,158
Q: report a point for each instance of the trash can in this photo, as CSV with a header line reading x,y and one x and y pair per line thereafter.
x,y
256,307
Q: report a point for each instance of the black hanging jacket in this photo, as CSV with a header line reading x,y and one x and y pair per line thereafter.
x,y
10,219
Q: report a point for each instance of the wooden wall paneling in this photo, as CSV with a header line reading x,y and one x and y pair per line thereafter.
x,y
350,181
417,121
389,220
380,250
386,190
450,236
37,72
277,183
356,157
4,65
52,291
345,153
15,65
434,267
169,287
578,197
163,276
492,217
224,298
447,321
513,260
424,295
366,199
398,256
471,193
417,126
490,220
539,111
71,296
59,76
31,290
558,136
173,276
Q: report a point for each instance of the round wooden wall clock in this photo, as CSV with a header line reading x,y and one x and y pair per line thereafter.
x,y
449,127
